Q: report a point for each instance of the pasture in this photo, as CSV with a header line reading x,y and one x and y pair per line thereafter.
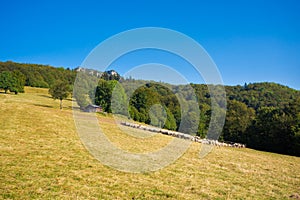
x,y
42,157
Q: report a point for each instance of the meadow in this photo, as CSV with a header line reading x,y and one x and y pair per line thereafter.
x,y
42,157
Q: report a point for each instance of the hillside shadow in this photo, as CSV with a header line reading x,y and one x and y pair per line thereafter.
x,y
8,93
74,108
49,97
43,105
43,95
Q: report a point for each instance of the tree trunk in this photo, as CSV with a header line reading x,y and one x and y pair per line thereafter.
x,y
61,104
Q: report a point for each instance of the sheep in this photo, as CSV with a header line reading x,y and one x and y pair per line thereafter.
x,y
184,136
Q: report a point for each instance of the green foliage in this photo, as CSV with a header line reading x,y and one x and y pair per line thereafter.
x,y
271,131
264,116
203,120
39,75
170,121
12,81
103,94
257,95
84,89
19,82
119,100
141,102
158,115
6,80
189,123
238,118
144,103
60,90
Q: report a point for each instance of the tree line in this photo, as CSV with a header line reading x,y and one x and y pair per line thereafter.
x,y
36,75
264,116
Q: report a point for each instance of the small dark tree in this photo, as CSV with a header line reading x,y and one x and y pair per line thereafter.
x,y
60,90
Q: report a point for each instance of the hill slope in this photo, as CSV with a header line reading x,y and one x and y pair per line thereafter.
x,y
42,157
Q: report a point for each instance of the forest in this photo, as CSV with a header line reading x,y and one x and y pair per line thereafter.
x,y
264,116
36,75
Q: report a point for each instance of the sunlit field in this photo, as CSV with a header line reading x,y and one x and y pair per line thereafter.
x,y
42,157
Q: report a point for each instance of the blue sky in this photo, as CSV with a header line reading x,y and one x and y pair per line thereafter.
x,y
250,41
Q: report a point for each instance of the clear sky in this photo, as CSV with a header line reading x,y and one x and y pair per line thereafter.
x,y
250,41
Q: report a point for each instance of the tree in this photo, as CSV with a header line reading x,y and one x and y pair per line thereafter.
x,y
84,89
13,81
103,94
272,131
238,118
18,82
189,123
119,100
6,79
293,110
60,90
39,75
140,103
170,121
203,120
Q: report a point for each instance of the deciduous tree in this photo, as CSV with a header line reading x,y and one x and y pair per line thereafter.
x,y
60,90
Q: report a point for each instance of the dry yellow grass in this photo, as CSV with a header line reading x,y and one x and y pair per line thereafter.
x,y
42,157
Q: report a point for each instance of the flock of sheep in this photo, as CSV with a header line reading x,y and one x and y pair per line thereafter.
x,y
183,135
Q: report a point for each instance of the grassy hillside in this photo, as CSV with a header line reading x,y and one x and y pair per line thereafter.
x,y
42,157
